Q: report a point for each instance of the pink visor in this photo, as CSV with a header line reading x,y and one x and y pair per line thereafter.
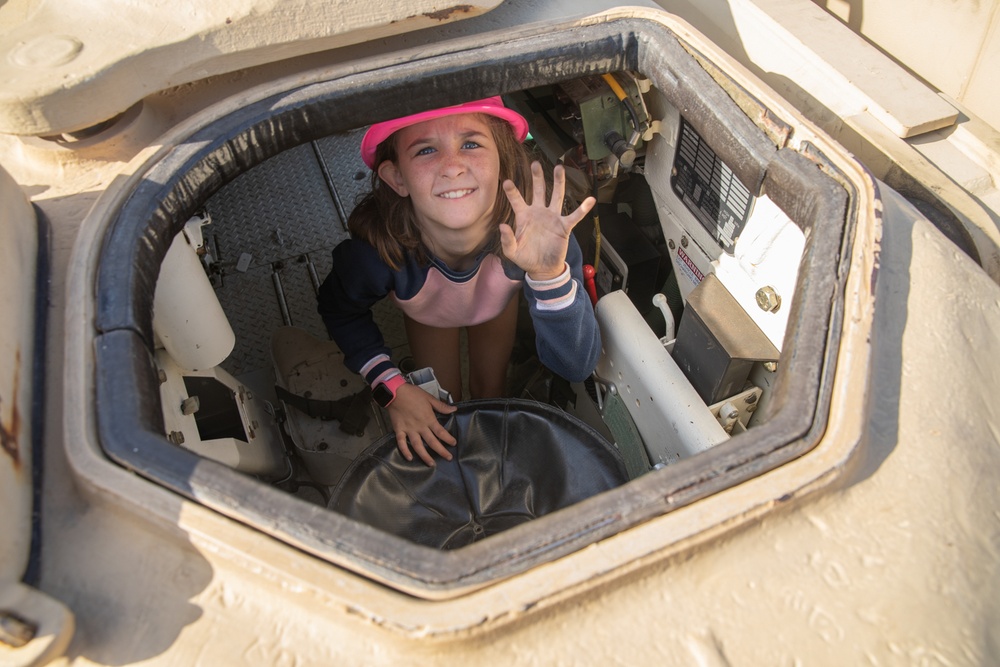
x,y
493,106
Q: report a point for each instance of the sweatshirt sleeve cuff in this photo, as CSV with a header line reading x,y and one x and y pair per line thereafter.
x,y
555,294
379,369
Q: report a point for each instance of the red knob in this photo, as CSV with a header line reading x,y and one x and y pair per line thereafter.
x,y
588,282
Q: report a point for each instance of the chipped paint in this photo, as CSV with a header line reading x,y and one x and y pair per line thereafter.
x,y
9,429
447,14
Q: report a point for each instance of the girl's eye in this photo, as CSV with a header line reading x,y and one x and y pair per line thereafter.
x,y
426,150
470,144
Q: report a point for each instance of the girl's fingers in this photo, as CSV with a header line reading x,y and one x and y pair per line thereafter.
x,y
558,188
422,452
443,436
555,204
435,440
517,202
581,211
428,440
404,448
538,184
508,242
444,440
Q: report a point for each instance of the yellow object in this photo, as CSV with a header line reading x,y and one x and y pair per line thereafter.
x,y
615,87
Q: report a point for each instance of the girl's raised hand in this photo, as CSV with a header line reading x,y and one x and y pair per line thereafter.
x,y
539,242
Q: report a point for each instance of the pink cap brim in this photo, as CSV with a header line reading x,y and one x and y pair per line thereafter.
x,y
493,106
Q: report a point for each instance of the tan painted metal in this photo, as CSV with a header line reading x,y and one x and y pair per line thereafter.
x,y
954,46
18,254
69,65
880,546
42,626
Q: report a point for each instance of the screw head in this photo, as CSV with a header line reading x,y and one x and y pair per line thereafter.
x,y
768,300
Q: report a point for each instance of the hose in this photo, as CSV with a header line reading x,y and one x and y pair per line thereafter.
x,y
624,99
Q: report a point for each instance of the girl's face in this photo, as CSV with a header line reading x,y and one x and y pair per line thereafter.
x,y
450,169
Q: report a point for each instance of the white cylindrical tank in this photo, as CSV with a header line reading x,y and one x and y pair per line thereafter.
x,y
671,417
187,317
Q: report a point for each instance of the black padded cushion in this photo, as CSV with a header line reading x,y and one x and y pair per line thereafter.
x,y
515,461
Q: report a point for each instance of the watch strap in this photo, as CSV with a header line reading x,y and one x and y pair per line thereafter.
x,y
391,384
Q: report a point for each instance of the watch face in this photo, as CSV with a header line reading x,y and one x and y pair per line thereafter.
x,y
382,395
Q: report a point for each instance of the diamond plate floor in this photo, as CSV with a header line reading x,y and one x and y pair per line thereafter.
x,y
273,229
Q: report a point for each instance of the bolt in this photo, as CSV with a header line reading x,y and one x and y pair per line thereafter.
x,y
603,171
162,375
15,631
768,300
751,399
190,405
176,437
684,241
671,244
771,366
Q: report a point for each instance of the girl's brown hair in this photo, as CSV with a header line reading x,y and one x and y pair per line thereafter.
x,y
388,223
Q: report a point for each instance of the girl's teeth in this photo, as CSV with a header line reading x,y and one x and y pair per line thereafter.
x,y
454,194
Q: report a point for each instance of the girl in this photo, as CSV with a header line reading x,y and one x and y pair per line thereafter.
x,y
448,235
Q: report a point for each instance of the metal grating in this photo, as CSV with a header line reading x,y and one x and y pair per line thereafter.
x,y
286,215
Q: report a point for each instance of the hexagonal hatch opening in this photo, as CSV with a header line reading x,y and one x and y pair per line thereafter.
x,y
708,376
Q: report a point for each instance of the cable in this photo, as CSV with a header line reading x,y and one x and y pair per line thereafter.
x,y
615,86
624,99
597,216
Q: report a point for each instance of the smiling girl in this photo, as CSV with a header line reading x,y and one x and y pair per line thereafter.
x,y
447,234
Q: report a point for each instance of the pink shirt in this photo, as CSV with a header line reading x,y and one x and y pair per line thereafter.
x,y
444,302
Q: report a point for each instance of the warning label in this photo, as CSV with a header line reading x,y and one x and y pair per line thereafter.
x,y
688,268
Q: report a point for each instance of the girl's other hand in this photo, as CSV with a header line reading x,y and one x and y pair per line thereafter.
x,y
539,242
415,424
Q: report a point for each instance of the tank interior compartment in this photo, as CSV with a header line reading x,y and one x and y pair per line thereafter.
x,y
217,378
674,378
